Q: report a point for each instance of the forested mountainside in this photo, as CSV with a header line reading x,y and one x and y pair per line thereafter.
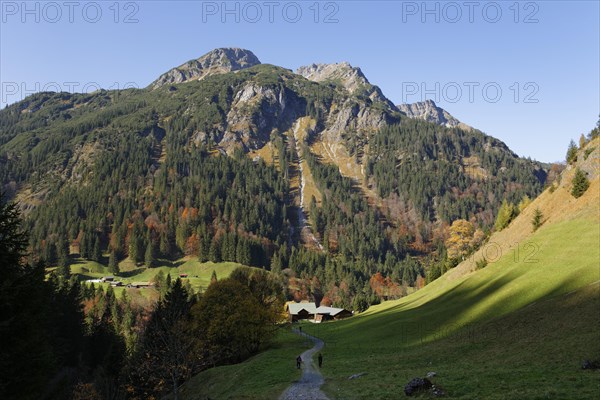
x,y
214,158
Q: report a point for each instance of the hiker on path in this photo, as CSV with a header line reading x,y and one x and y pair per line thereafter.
x,y
320,360
298,362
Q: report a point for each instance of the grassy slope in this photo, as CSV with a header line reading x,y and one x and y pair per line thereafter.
x,y
199,273
478,334
264,376
517,329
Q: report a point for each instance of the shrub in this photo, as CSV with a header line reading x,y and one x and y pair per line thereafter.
x,y
480,264
580,183
536,221
587,152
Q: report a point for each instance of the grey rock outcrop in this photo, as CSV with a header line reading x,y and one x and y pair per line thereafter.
x,y
217,61
350,78
428,111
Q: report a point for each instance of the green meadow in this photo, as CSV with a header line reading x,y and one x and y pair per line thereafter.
x,y
517,329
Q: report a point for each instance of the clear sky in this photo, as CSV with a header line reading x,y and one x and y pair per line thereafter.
x,y
526,72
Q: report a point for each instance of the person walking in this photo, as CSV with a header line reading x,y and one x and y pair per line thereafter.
x,y
298,362
320,360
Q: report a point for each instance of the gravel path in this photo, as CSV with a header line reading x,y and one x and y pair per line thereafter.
x,y
308,387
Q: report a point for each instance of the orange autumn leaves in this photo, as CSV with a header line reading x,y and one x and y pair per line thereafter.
x,y
463,237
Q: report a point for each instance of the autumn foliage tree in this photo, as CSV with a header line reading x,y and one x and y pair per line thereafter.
x,y
506,214
231,322
460,241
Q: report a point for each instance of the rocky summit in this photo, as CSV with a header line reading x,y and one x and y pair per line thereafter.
x,y
429,111
217,61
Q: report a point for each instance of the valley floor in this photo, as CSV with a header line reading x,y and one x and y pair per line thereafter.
x,y
518,329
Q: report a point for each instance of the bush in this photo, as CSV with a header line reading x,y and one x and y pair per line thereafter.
x,y
480,264
587,152
536,221
580,183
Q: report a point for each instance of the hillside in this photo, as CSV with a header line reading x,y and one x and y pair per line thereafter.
x,y
518,328
221,158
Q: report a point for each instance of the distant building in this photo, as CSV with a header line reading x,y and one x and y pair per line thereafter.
x,y
184,275
108,278
328,313
298,311
309,311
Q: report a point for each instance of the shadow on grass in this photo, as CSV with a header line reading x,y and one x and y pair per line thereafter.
x,y
133,272
456,310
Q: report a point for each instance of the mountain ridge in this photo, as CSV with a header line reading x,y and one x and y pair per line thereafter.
x,y
214,167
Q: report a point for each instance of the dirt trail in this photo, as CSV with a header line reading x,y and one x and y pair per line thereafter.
x,y
308,387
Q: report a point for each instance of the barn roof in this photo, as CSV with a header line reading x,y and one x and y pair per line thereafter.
x,y
333,311
295,308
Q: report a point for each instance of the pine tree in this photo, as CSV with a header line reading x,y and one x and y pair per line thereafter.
x,y
580,183
64,269
572,152
96,252
149,256
214,253
536,221
164,246
113,263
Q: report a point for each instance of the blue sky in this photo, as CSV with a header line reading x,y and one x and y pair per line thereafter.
x,y
526,72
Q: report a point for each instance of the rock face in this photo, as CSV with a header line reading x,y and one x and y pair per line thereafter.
x,y
350,78
257,110
217,61
360,109
427,110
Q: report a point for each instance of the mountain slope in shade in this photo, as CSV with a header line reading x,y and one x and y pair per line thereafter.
x,y
429,111
217,61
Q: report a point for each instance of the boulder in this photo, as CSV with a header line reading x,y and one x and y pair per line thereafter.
x,y
417,385
590,364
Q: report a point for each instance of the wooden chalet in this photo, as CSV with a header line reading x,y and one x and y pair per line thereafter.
x,y
298,311
309,311
331,313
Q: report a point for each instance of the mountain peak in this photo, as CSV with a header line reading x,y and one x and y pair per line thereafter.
x,y
427,110
352,78
216,61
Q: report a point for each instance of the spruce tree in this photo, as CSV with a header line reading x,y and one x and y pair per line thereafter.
x,y
536,221
149,256
580,183
572,152
113,263
64,269
96,252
